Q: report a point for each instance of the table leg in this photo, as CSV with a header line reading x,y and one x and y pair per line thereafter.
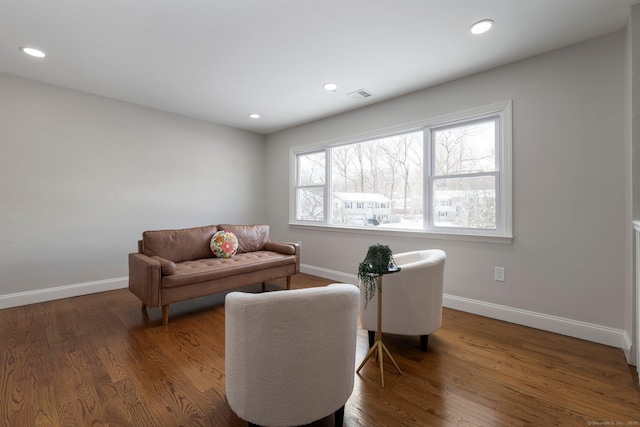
x,y
378,347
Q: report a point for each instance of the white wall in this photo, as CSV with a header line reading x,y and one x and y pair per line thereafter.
x,y
82,176
565,270
632,168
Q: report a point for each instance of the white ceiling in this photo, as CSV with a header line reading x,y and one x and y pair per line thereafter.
x,y
221,60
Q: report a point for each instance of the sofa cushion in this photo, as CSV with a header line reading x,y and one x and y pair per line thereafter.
x,y
179,245
190,272
251,238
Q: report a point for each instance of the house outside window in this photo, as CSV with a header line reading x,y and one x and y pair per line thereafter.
x,y
369,210
450,175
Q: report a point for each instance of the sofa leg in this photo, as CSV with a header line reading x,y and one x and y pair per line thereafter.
x,y
372,338
144,306
424,340
165,314
288,282
339,416
264,286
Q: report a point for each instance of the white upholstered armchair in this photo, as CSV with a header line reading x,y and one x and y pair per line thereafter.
x,y
290,355
411,298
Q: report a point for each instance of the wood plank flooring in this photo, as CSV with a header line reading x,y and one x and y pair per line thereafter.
x,y
98,360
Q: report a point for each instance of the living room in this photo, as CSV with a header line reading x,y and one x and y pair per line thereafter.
x,y
84,175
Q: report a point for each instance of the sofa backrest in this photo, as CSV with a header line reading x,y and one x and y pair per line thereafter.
x,y
251,238
179,245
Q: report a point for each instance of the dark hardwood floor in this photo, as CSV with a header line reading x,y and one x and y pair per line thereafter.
x,y
97,360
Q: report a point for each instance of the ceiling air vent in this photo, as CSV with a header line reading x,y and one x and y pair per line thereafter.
x,y
360,94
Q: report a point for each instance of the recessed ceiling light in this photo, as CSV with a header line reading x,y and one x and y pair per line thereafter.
x,y
481,26
254,116
33,52
330,86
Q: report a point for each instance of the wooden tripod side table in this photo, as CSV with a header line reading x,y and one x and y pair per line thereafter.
x,y
378,347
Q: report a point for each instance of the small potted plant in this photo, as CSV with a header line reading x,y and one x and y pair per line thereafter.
x,y
378,261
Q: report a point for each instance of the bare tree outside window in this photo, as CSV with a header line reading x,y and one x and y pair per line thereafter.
x,y
310,186
342,157
383,180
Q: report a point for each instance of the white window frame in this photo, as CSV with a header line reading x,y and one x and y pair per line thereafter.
x,y
297,186
504,197
501,214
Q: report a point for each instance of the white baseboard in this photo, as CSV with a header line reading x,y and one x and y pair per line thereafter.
x,y
329,274
559,325
68,291
59,292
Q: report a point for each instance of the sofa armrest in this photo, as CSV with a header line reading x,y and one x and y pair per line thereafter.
x,y
282,247
287,248
167,267
145,277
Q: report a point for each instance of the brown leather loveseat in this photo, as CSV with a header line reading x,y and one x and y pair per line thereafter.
x,y
177,265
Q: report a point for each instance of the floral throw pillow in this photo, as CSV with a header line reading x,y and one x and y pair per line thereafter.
x,y
224,244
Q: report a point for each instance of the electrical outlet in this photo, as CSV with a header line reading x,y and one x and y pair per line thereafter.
x,y
499,274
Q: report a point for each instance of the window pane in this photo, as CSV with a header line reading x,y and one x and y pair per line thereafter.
x,y
468,148
465,202
311,169
310,204
378,182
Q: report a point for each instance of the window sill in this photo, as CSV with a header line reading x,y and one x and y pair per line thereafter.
x,y
417,234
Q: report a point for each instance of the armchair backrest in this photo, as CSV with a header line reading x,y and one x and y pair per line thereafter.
x,y
290,355
412,298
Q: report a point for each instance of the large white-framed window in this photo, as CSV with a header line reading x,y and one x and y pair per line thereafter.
x,y
444,176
